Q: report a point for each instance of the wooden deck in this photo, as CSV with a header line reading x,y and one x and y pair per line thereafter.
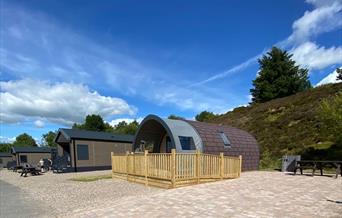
x,y
170,170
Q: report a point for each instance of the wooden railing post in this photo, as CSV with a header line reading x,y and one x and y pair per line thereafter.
x,y
146,166
111,159
221,165
173,168
198,165
240,167
127,162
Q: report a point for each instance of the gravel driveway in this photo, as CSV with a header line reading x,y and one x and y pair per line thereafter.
x,y
67,197
255,194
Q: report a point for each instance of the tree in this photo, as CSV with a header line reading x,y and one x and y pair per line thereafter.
x,y
339,73
174,117
331,115
48,139
92,122
279,76
205,116
5,147
126,128
24,140
95,123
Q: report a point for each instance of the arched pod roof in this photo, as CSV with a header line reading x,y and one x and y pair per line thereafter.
x,y
242,142
154,128
207,138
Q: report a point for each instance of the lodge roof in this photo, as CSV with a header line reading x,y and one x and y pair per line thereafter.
x,y
70,134
31,149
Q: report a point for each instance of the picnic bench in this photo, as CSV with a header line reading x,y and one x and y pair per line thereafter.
x,y
318,165
29,169
16,168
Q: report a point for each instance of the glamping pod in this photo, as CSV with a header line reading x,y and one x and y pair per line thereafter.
x,y
160,135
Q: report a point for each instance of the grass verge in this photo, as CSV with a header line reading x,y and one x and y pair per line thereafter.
x,y
91,178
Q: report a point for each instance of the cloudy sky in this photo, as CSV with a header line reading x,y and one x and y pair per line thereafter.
x,y
62,60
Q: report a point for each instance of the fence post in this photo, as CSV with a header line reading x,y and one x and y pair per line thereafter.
x,y
146,167
198,165
173,168
240,167
127,163
111,159
221,165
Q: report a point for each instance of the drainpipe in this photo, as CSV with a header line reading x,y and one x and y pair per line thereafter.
x,y
73,145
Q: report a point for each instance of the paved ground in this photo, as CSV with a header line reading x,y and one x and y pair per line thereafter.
x,y
15,203
255,194
66,196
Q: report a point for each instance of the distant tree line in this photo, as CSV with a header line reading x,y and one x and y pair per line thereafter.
x,y
22,140
92,122
95,122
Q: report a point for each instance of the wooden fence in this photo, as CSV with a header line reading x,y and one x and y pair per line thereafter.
x,y
170,170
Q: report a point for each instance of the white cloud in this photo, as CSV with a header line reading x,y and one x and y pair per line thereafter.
x,y
314,57
127,120
230,71
60,102
5,139
81,60
39,124
324,18
249,97
320,3
331,78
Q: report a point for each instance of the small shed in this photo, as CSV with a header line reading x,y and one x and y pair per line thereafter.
x,y
5,158
90,150
30,155
186,136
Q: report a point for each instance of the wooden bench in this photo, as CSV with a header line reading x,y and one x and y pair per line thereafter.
x,y
318,165
30,169
16,168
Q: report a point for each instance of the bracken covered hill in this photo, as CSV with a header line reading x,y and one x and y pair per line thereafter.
x,y
289,125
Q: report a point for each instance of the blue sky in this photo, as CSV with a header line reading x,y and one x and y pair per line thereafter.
x,y
61,60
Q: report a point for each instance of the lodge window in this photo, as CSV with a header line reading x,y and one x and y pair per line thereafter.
x,y
225,139
187,143
23,159
82,152
1,161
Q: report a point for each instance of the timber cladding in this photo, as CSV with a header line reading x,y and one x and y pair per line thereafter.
x,y
4,161
99,152
32,158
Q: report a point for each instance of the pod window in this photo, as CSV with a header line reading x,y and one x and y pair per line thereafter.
x,y
187,143
225,139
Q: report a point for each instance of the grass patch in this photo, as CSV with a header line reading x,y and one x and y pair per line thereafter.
x,y
91,178
289,125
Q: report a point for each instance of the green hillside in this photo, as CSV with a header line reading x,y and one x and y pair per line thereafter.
x,y
289,125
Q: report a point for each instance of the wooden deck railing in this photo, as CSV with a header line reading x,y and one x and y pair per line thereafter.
x,y
170,170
